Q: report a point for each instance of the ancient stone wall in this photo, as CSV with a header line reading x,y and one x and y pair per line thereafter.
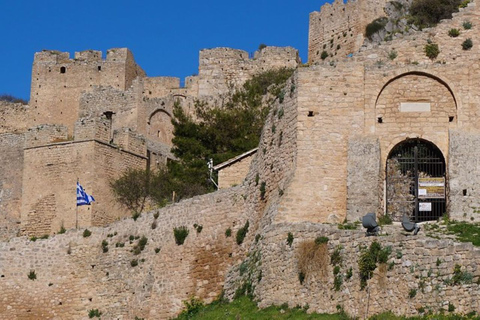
x,y
223,69
50,173
419,272
338,29
74,274
330,109
14,117
233,173
363,171
463,171
129,140
58,82
45,134
93,129
11,165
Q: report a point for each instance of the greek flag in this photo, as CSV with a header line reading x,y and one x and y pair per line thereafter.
x,y
82,197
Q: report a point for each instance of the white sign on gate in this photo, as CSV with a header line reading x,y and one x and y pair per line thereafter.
x,y
425,206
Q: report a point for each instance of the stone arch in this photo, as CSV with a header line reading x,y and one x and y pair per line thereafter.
x,y
159,126
415,180
420,73
415,104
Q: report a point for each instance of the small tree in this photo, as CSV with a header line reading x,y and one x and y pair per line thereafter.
x,y
131,189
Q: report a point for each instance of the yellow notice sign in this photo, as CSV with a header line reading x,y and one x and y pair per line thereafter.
x,y
431,188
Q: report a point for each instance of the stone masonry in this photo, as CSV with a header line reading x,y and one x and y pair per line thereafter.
x,y
321,160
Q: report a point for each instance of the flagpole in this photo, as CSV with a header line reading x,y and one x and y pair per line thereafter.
x,y
76,209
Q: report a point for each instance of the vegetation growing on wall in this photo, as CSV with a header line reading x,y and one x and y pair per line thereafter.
x,y
217,132
375,26
368,260
427,13
312,258
10,98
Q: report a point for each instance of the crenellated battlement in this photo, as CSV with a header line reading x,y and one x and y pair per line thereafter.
x,y
45,134
220,69
338,28
131,141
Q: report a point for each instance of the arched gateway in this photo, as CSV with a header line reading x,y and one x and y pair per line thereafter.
x,y
416,181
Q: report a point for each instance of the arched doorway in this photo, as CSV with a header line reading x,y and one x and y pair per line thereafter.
x,y
416,185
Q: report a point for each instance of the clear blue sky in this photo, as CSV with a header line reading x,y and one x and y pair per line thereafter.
x,y
165,36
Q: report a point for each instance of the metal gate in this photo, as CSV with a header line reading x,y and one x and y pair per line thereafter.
x,y
416,185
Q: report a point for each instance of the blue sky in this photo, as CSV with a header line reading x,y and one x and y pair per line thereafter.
x,y
164,36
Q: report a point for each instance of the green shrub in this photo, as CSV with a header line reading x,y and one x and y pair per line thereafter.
x,y
460,277
154,224
349,273
337,281
385,219
467,44
464,4
241,233
467,25
198,227
451,307
120,245
87,233
375,26
134,263
136,215
32,275
324,55
192,307
157,250
301,277
156,215
228,232
336,257
263,190
412,293
92,313
289,239
105,246
453,32
62,230
427,13
368,260
431,50
33,238
321,240
180,234
392,55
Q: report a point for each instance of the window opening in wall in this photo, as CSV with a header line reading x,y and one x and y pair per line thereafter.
x,y
99,68
310,113
63,70
464,192
380,120
450,119
416,181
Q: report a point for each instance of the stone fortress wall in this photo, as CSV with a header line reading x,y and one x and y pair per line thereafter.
x,y
90,88
339,28
51,169
321,159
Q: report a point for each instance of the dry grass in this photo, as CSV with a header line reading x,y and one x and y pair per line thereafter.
x,y
313,259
